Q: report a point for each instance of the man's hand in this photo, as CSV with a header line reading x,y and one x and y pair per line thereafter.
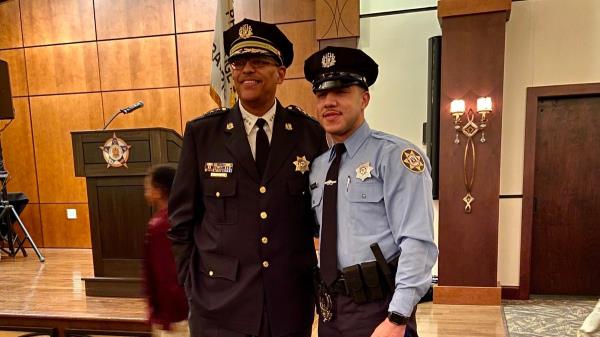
x,y
389,329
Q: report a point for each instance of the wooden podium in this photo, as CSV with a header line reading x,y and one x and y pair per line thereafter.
x,y
114,163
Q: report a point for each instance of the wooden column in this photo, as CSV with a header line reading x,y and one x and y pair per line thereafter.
x,y
338,23
473,34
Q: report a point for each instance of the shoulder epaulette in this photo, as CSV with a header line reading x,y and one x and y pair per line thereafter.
x,y
299,110
213,112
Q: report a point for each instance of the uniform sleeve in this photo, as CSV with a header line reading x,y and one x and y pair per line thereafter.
x,y
185,205
409,207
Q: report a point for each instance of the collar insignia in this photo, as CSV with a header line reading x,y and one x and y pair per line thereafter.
x,y
288,126
302,164
328,60
229,126
363,171
245,31
413,161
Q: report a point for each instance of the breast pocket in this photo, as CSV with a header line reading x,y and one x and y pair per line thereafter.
x,y
367,210
220,201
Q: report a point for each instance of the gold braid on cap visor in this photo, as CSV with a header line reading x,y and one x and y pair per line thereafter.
x,y
254,47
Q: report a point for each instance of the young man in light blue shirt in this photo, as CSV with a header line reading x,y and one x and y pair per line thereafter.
x,y
369,188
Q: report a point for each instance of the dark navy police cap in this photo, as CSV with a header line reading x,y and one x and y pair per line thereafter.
x,y
337,67
249,37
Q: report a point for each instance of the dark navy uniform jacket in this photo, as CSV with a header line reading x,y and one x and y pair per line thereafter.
x,y
242,242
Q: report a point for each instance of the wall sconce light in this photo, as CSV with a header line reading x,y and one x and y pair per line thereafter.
x,y
470,128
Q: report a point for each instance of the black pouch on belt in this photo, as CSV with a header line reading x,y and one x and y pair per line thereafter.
x,y
370,275
355,284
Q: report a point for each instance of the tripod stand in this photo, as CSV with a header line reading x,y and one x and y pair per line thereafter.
x,y
8,215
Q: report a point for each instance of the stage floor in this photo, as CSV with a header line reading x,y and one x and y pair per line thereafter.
x,y
55,290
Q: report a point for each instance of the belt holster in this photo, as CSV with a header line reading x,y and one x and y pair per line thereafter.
x,y
370,274
354,282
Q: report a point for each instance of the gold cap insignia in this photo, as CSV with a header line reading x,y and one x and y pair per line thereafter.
x,y
363,171
413,161
229,126
328,60
245,31
288,126
302,164
115,152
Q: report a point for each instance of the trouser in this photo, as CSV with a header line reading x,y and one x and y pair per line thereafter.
x,y
360,320
202,327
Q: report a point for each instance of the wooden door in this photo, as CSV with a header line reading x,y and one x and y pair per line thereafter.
x,y
565,255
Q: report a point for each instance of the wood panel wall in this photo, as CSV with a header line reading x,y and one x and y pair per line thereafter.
x,y
73,63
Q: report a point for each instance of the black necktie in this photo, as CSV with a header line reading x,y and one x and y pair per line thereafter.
x,y
328,252
262,147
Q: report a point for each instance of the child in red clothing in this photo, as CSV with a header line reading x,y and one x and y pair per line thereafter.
x,y
168,309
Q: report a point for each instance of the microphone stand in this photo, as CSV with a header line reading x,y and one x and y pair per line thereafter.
x,y
112,118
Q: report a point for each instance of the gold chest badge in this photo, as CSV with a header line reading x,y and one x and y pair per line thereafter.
x,y
302,164
115,151
363,171
413,161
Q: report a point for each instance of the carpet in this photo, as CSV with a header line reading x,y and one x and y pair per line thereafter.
x,y
547,316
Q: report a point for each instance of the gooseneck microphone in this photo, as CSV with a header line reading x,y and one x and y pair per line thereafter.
x,y
124,111
131,108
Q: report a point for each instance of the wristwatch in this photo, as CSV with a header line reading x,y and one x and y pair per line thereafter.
x,y
397,319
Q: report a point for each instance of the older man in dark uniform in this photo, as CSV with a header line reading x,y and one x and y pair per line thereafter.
x,y
240,210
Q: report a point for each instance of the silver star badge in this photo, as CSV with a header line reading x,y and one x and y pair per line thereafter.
x,y
302,164
363,171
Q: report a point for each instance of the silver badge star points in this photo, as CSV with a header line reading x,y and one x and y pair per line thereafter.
x,y
363,171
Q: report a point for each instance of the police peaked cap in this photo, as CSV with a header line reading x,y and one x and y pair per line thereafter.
x,y
337,67
250,37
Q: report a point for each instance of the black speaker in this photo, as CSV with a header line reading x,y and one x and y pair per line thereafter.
x,y
431,129
6,106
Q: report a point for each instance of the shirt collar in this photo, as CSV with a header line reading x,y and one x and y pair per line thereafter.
x,y
250,119
355,140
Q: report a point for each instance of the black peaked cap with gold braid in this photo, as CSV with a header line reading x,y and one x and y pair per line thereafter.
x,y
336,67
249,37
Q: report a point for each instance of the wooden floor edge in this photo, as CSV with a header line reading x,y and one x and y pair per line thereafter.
x,y
467,295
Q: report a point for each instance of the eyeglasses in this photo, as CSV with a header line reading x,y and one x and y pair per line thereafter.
x,y
255,62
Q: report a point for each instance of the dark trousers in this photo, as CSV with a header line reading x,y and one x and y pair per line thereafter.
x,y
360,320
202,327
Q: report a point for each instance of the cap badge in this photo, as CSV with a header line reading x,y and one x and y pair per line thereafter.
x,y
302,164
328,60
363,171
413,161
245,31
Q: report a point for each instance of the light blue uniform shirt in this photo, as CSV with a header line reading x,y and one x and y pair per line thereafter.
x,y
393,207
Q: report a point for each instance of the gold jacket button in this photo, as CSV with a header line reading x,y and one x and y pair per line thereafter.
x,y
218,194
265,264
211,273
264,240
263,215
262,190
